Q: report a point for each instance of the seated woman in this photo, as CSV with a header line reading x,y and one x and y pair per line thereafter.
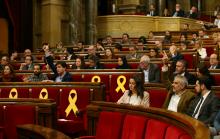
x,y
8,74
136,94
109,54
79,64
200,50
122,63
154,53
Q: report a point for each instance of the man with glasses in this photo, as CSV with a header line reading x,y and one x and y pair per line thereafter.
x,y
28,63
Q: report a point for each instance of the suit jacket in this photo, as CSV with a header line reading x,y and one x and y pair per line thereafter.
x,y
217,67
209,108
66,78
180,13
190,78
154,73
185,98
26,67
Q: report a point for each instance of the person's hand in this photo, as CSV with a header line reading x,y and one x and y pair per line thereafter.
x,y
165,58
22,66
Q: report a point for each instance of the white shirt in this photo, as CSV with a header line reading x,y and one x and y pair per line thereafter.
x,y
146,75
217,22
174,102
204,97
202,52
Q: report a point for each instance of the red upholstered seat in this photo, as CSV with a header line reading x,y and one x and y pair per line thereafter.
x,y
191,59
133,127
216,77
157,96
22,92
15,115
110,65
155,129
73,123
113,94
175,133
112,122
209,49
185,137
53,93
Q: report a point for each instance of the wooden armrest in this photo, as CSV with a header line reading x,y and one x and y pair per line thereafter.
x,y
27,131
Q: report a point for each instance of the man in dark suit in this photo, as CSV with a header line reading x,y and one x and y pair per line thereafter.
x,y
152,11
213,61
151,71
178,12
206,104
60,73
181,69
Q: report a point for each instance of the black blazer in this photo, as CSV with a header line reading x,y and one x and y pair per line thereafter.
x,y
209,109
180,13
66,78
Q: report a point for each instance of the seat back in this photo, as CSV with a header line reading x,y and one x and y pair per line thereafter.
x,y
133,127
15,115
157,96
174,132
112,123
155,129
21,92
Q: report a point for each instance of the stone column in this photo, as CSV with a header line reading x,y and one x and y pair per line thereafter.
x,y
74,20
52,11
161,6
91,15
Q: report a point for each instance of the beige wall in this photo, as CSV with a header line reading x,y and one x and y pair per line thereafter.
x,y
209,5
3,36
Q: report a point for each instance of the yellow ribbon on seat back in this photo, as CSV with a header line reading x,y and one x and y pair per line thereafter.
x,y
72,103
16,93
120,84
96,77
44,90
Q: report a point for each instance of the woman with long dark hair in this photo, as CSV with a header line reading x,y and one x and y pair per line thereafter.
x,y
122,63
136,95
8,74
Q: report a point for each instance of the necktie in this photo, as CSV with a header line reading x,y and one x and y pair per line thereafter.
x,y
198,106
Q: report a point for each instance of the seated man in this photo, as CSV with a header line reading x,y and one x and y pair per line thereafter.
x,y
4,61
28,63
181,69
60,73
206,104
213,61
151,71
37,76
178,11
179,97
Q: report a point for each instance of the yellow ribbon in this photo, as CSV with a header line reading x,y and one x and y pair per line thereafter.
x,y
96,77
16,93
44,90
121,84
72,103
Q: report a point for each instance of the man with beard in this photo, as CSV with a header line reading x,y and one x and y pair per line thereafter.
x,y
178,97
206,104
38,76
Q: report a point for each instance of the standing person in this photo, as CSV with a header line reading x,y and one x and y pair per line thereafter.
x,y
217,20
136,94
206,104
178,11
